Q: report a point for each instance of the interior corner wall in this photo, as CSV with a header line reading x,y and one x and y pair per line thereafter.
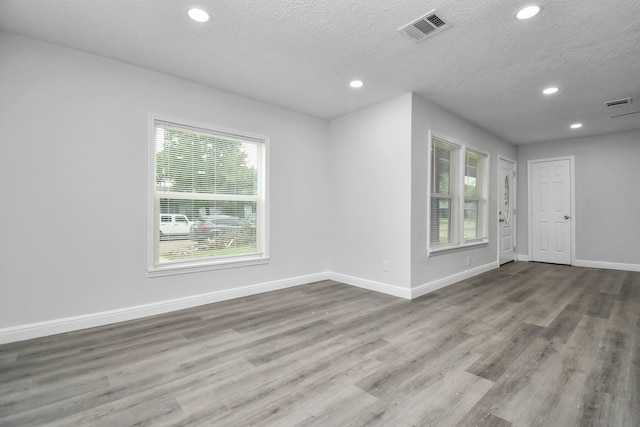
x,y
607,186
430,272
74,138
369,206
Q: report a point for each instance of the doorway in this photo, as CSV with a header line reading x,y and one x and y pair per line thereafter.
x,y
551,210
506,211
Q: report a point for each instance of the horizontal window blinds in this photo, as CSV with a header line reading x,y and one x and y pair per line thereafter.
x,y
212,179
444,160
189,161
458,193
474,189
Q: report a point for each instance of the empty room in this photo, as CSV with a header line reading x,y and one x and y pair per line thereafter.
x,y
331,213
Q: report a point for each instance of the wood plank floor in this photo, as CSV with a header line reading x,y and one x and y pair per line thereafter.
x,y
525,345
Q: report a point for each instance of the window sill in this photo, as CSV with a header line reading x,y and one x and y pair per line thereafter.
x,y
448,249
193,267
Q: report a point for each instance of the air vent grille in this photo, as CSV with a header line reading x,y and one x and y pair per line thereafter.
x,y
436,20
618,102
425,26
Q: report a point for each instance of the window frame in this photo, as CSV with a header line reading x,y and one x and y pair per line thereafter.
x,y
154,269
480,198
453,178
458,197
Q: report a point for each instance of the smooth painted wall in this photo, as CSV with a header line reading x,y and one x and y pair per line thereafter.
x,y
345,195
607,195
428,116
370,202
378,161
73,129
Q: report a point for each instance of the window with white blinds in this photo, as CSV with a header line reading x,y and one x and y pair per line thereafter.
x,y
444,203
458,193
475,203
207,196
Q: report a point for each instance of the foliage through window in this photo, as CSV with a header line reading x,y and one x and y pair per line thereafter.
x,y
458,205
208,196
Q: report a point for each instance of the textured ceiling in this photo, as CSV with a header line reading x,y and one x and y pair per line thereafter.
x,y
300,54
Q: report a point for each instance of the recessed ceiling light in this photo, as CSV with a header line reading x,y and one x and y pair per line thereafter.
x,y
576,126
550,90
528,12
198,15
356,84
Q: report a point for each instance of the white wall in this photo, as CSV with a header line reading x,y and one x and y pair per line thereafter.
x,y
430,272
379,197
607,186
346,195
73,129
369,206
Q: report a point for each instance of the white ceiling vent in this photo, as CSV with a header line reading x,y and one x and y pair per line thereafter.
x,y
618,102
425,26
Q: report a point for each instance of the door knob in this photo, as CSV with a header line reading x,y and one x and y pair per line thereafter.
x,y
566,217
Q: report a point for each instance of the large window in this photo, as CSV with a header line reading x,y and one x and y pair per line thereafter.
x,y
458,195
208,198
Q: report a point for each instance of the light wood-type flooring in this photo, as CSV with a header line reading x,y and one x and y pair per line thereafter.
x,y
524,345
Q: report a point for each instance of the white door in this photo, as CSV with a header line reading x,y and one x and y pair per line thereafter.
x,y
507,211
550,200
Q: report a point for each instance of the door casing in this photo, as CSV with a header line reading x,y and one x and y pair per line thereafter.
x,y
572,239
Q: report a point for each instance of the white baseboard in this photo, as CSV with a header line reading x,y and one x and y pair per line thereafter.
x,y
450,280
58,326
607,265
596,264
396,291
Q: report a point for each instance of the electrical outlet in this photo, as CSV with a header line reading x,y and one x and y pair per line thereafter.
x,y
468,261
385,265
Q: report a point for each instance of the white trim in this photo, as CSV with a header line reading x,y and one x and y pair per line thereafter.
x,y
607,265
68,324
231,262
571,160
58,326
596,264
450,280
155,269
393,290
458,197
443,249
